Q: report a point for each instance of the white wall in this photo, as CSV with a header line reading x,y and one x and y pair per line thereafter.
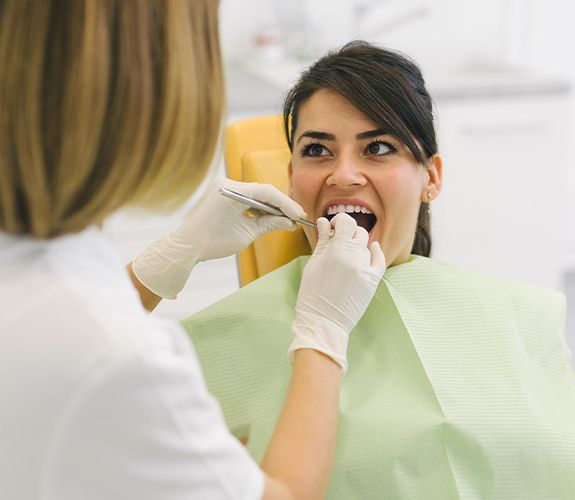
x,y
443,35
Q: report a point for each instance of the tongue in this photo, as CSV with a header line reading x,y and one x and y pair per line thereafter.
x,y
367,221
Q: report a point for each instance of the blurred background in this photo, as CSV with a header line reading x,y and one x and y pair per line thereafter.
x,y
501,73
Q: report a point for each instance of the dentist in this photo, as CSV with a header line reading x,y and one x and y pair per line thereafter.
x,y
119,102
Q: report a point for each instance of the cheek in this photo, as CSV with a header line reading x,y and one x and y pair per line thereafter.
x,y
401,187
400,194
393,190
304,188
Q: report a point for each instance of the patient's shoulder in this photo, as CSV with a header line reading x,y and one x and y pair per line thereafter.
x,y
427,274
285,279
270,295
445,272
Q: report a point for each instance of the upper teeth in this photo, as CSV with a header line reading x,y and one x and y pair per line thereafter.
x,y
335,209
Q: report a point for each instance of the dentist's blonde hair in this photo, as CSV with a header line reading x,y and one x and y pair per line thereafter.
x,y
104,103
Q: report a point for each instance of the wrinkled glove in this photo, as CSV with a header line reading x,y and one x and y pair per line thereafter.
x,y
337,285
216,227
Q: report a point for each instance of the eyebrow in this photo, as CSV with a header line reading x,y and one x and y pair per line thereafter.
x,y
371,133
324,136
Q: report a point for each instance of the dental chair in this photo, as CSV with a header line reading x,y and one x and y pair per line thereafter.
x,y
255,150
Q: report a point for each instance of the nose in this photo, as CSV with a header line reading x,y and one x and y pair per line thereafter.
x,y
346,173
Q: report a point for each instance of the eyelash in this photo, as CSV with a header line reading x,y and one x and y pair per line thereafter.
x,y
307,147
386,144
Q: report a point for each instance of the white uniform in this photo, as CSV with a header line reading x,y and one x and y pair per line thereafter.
x,y
99,400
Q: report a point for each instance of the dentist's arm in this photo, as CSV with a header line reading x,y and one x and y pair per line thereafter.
x,y
216,227
337,285
300,454
148,298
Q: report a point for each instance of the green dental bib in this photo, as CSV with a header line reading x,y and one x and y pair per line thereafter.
x,y
459,383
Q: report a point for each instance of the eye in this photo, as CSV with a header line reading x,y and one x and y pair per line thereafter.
x,y
315,149
379,148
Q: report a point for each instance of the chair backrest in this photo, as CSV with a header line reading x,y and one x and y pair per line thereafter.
x,y
255,150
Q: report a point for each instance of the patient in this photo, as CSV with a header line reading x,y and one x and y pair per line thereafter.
x,y
461,386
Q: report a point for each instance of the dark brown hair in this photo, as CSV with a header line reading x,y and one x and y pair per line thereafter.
x,y
389,89
104,103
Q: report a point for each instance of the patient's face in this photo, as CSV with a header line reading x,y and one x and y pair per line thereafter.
x,y
342,162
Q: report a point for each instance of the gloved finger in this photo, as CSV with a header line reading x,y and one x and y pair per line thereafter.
x,y
361,236
272,195
344,226
221,201
268,223
323,230
377,258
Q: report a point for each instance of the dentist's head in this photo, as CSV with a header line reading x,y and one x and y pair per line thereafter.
x,y
104,104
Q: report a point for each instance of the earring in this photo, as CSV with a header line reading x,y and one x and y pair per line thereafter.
x,y
429,197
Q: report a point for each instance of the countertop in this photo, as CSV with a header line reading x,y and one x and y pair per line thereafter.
x,y
260,87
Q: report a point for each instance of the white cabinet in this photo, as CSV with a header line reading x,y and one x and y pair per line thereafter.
x,y
504,203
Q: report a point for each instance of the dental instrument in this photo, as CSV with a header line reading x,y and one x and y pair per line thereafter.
x,y
261,206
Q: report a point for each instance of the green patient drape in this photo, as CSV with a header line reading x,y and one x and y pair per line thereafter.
x,y
459,383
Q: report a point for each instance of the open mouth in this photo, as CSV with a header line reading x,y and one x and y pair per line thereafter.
x,y
362,215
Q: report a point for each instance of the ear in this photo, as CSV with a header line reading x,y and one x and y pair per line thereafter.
x,y
290,178
435,178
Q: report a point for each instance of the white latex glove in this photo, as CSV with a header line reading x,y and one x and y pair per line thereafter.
x,y
337,285
216,227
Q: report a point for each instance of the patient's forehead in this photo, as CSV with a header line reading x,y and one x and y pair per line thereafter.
x,y
327,110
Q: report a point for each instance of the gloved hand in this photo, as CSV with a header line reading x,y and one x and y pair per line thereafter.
x,y
216,227
337,285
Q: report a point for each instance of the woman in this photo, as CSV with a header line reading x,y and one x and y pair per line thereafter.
x,y
104,104
459,382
